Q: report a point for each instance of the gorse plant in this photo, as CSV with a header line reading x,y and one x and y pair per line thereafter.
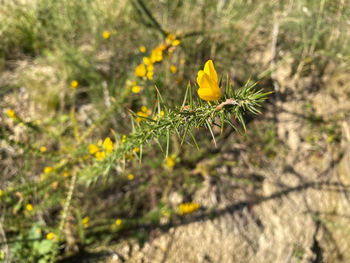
x,y
89,163
166,120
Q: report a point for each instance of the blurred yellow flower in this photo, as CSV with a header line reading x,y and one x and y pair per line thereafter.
x,y
43,149
131,176
161,113
207,80
187,208
11,113
85,221
136,89
144,109
48,169
150,75
123,138
173,69
150,67
50,236
143,49
108,145
100,156
136,149
74,84
176,42
140,70
118,222
65,173
170,161
0,192
93,149
106,34
170,37
147,61
156,55
29,207
141,114
162,47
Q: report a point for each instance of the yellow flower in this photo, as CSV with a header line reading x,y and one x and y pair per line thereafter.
x,y
144,109
207,80
131,176
140,70
170,161
108,145
136,89
43,149
141,114
50,236
161,113
187,208
0,192
106,34
176,42
170,37
85,221
11,113
74,84
157,55
100,155
93,149
48,169
162,47
118,222
173,69
150,75
150,67
123,138
143,49
136,149
29,207
147,61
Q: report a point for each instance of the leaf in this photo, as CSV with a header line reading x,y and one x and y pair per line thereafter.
x,y
43,247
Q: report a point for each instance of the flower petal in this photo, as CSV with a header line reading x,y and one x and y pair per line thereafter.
x,y
210,70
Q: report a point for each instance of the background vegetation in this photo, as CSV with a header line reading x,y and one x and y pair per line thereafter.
x,y
68,83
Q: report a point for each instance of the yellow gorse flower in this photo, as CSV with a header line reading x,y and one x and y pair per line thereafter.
x,y
157,55
173,69
140,70
100,156
48,169
29,207
207,80
143,49
108,145
11,113
50,236
43,149
93,149
187,208
106,34
85,221
136,89
131,177
74,84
